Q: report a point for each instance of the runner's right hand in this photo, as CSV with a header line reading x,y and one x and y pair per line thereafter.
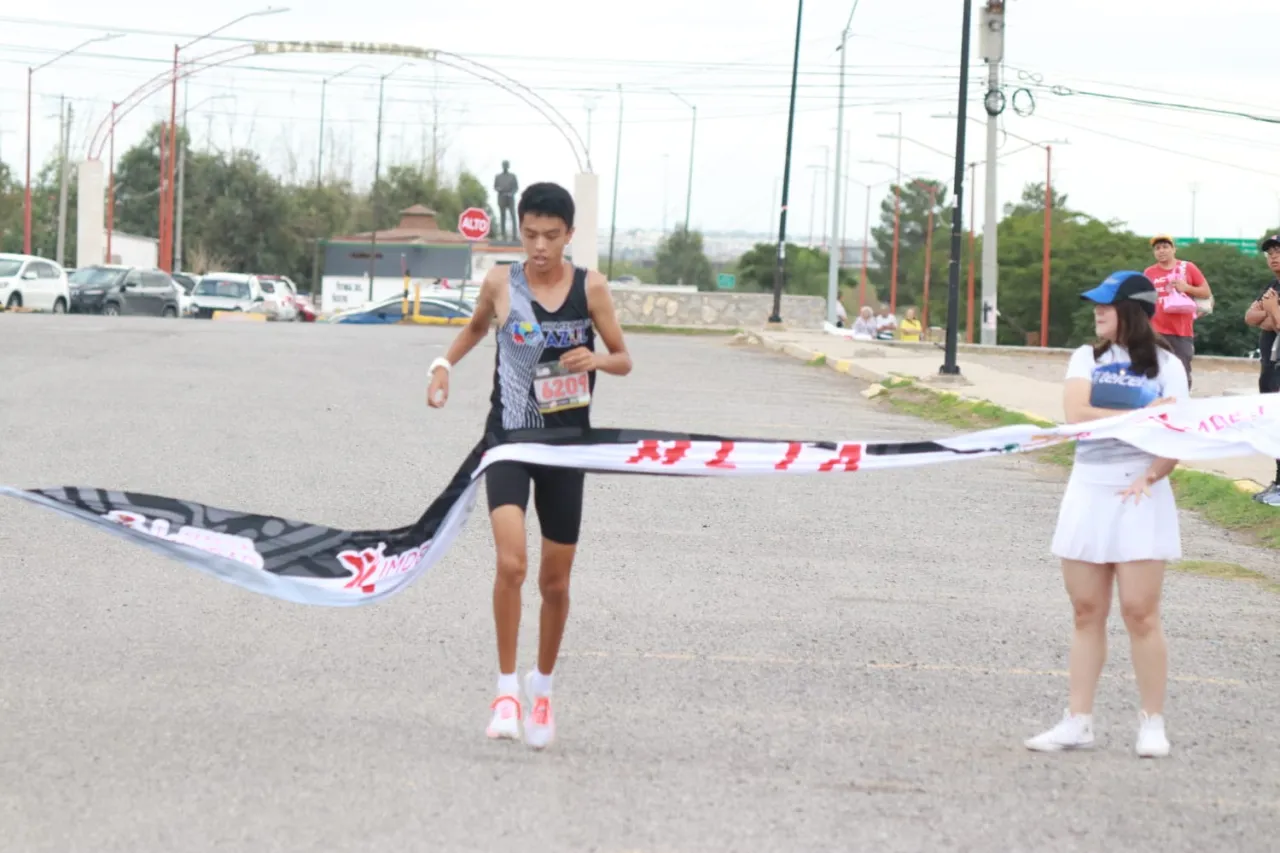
x,y
438,390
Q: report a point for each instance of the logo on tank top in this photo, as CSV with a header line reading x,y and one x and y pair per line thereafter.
x,y
521,332
564,334
1117,386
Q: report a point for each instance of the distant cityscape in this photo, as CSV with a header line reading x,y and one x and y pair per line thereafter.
x,y
721,247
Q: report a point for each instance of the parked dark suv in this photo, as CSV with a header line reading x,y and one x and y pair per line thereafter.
x,y
112,290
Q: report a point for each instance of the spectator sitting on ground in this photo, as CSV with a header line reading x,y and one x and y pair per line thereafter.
x,y
886,324
864,328
911,327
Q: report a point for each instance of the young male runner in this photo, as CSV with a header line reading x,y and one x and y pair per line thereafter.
x,y
548,314
1264,313
1170,276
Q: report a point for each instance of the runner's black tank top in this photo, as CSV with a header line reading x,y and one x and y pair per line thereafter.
x,y
530,389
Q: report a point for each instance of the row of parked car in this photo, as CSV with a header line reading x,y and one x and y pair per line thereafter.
x,y
27,281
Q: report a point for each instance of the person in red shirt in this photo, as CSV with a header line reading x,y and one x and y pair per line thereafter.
x,y
1172,276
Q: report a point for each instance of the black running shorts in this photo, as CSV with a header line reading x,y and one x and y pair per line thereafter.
x,y
557,495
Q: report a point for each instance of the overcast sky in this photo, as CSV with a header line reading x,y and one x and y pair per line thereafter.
x,y
732,60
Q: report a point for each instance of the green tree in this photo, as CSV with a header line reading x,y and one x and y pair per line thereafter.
x,y
681,260
806,270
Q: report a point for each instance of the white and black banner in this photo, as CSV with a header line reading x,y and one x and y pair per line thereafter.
x,y
311,564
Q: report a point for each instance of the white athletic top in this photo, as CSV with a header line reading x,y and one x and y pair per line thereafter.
x,y
1115,386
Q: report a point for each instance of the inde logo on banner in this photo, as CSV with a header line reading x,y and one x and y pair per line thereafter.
x,y
373,564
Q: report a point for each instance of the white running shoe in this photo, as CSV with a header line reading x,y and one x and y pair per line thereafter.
x,y
506,718
540,724
1074,732
1152,741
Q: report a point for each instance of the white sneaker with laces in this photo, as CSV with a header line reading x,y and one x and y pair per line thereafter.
x,y
1074,732
540,724
1152,740
506,718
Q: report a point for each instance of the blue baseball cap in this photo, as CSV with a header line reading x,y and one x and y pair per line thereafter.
x,y
1125,285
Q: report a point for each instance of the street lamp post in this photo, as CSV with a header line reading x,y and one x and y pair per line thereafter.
x,y
377,176
617,169
26,196
168,165
949,365
834,257
780,270
693,134
323,86
932,189
182,173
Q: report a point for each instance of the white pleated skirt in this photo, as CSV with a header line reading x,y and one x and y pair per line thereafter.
x,y
1095,527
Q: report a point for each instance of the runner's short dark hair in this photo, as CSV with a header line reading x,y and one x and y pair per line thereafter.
x,y
546,199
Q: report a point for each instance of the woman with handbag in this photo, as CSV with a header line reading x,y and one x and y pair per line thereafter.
x,y
1184,294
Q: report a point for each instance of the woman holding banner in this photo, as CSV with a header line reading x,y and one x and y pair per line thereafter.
x,y
1118,522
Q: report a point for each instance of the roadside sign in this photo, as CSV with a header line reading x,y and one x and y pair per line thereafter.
x,y
1244,244
473,223
726,281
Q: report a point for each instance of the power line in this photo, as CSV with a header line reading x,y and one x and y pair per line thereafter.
x,y
1251,168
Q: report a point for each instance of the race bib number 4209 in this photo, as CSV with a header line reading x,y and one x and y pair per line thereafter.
x,y
559,389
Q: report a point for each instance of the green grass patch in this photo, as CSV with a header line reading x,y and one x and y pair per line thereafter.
x,y
1225,571
1219,501
1216,498
655,329
817,361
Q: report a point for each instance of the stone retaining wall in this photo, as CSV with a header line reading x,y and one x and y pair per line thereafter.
x,y
641,307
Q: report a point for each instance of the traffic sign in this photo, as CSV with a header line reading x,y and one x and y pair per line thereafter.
x,y
473,223
1249,247
726,281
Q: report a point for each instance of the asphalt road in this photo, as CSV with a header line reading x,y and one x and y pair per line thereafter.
x,y
834,663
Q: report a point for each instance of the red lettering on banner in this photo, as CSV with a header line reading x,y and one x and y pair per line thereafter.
x,y
850,455
722,456
651,451
793,453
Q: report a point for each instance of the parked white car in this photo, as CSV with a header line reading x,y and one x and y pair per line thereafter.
x,y
279,298
36,283
226,291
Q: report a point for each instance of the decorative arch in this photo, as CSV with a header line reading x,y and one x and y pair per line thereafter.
x,y
229,55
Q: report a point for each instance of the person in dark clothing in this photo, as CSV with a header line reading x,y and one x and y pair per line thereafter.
x,y
1264,313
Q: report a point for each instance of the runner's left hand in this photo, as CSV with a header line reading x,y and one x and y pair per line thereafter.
x,y
1138,489
579,360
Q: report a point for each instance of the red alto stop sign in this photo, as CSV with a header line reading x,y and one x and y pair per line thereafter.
x,y
473,223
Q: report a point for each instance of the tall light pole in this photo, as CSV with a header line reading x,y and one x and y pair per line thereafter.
x,y
949,365
617,169
693,135
182,172
377,176
323,86
833,260
26,197
780,270
168,167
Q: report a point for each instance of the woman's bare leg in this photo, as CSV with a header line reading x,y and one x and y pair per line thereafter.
x,y
1089,586
1140,587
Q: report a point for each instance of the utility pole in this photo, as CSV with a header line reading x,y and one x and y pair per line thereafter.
x,y
992,45
780,271
64,131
